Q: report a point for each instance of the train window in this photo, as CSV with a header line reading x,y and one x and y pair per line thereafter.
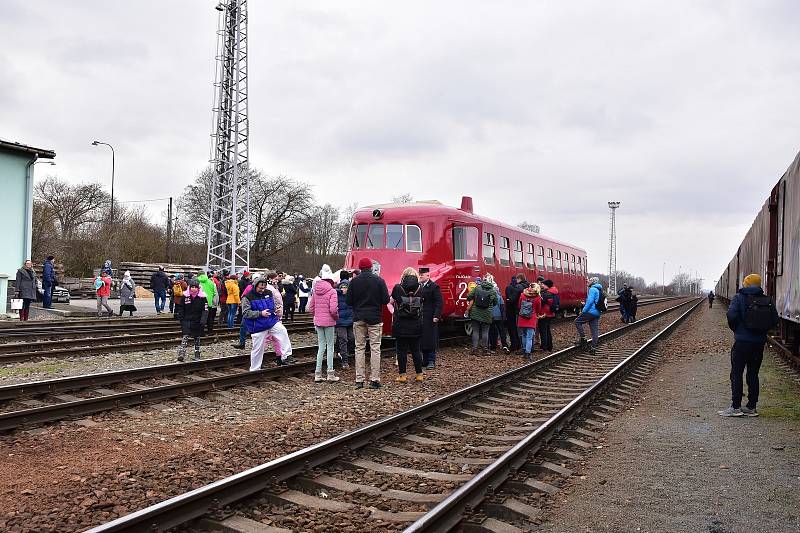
x,y
580,265
518,253
465,243
375,236
413,239
540,257
550,259
505,251
488,248
559,267
530,261
572,261
394,236
360,236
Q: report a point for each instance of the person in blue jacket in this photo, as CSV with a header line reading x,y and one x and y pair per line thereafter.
x,y
748,348
344,325
48,281
590,315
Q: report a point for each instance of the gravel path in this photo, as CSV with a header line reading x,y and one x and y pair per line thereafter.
x,y
670,464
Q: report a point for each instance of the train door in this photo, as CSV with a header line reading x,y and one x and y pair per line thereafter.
x,y
465,262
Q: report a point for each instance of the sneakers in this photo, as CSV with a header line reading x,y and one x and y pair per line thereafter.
x,y
345,366
505,349
359,384
401,378
332,378
746,411
527,357
374,384
430,366
318,377
582,343
420,377
730,411
592,350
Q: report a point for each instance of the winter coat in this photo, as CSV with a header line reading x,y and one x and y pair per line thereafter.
x,y
711,296
209,289
105,289
477,313
736,312
253,304
127,292
302,290
498,309
513,292
195,314
405,326
244,282
289,291
367,295
48,273
630,302
232,291
159,281
324,305
25,285
592,298
345,311
432,305
547,301
278,298
533,320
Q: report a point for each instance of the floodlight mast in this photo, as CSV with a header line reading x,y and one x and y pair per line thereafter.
x,y
612,249
229,218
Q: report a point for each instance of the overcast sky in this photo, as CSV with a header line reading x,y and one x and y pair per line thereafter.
x,y
686,112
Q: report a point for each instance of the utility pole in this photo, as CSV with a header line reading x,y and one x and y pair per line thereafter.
x,y
169,230
663,278
612,249
229,220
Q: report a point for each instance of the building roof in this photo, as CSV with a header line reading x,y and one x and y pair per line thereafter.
x,y
25,149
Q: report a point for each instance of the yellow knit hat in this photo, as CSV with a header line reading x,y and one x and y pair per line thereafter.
x,y
752,280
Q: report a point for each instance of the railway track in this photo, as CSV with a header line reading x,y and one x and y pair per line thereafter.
x,y
460,461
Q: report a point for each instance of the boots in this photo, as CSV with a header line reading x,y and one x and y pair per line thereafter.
x,y
401,378
332,377
420,377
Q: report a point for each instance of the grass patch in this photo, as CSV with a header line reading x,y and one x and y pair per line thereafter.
x,y
779,395
16,371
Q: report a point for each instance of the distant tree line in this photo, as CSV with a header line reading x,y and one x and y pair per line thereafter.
x,y
289,229
680,284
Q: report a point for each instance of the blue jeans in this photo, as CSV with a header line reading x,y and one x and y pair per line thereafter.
x,y
325,338
232,313
526,337
429,357
47,297
161,299
594,326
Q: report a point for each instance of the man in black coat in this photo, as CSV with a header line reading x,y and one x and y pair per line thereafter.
x,y
513,292
367,296
432,304
158,284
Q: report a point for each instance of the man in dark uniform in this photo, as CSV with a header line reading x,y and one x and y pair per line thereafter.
x,y
432,304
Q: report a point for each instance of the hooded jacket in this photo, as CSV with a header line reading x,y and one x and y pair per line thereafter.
x,y
405,326
592,298
195,313
324,305
253,304
477,313
345,311
232,290
736,312
209,289
548,295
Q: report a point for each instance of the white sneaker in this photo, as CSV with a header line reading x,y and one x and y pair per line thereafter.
x,y
333,377
318,377
730,411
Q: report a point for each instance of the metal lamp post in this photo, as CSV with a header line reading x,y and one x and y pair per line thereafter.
x,y
97,143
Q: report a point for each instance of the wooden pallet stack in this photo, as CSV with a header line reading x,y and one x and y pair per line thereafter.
x,y
141,272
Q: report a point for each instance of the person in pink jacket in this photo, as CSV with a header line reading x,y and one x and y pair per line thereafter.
x,y
324,306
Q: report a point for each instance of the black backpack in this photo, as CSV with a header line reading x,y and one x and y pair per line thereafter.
x,y
483,298
760,313
410,306
555,303
602,301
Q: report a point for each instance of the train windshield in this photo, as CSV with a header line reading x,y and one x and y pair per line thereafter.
x,y
375,236
465,243
360,236
394,236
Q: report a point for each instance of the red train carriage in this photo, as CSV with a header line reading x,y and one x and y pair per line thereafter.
x,y
459,246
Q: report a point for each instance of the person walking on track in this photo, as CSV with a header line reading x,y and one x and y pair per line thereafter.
x,y
102,287
432,305
193,319
158,284
367,295
750,316
324,307
25,288
590,314
710,299
127,294
261,314
407,323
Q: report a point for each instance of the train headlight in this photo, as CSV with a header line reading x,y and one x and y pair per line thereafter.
x,y
377,214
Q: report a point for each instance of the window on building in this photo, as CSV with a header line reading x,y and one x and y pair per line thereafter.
x,y
394,236
540,257
505,251
559,267
360,236
413,238
488,248
550,259
465,243
518,253
375,236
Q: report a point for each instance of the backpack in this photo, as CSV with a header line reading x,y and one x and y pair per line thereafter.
x,y
98,283
177,290
526,308
483,298
555,303
602,301
410,306
760,313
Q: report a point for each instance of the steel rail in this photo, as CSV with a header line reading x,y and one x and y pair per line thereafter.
x,y
450,511
185,507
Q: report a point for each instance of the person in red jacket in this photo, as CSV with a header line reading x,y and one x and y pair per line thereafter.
x,y
102,287
551,302
530,310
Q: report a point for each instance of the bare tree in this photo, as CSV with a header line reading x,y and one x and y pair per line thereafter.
x,y
406,198
72,206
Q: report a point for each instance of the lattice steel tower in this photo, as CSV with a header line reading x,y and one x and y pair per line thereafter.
x,y
612,250
229,220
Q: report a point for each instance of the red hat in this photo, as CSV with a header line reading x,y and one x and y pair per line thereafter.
x,y
365,263
245,273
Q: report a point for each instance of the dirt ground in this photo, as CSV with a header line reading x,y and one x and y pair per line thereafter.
x,y
670,464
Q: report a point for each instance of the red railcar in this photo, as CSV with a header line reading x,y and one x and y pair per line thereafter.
x,y
459,246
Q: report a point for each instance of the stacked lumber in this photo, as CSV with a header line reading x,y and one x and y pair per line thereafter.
x,y
141,272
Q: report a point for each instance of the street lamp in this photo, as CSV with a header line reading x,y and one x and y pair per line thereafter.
x,y
97,143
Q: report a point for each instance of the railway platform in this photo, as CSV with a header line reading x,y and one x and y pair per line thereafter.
x,y
670,463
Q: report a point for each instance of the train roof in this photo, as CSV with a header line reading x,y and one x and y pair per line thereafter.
x,y
432,207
